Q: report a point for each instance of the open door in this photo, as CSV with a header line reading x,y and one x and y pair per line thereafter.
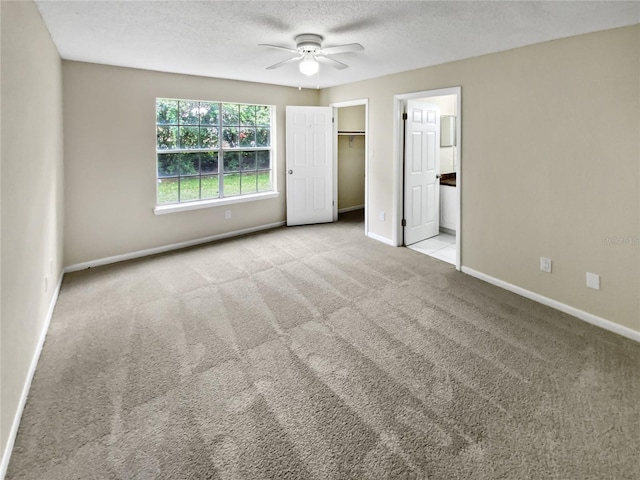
x,y
309,162
421,171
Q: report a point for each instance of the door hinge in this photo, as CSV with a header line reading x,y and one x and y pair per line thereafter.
x,y
333,120
404,222
405,116
333,202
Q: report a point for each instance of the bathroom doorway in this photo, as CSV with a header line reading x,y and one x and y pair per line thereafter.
x,y
442,198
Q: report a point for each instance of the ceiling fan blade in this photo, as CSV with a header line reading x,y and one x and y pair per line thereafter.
x,y
291,50
280,64
350,47
331,62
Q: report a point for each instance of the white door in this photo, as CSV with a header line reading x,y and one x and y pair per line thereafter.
x,y
309,160
422,172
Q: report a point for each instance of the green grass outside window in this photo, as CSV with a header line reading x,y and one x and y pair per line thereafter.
x,y
185,189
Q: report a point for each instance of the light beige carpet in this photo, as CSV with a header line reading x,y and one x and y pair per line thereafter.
x,y
317,353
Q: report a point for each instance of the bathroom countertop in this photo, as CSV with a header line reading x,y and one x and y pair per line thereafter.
x,y
448,179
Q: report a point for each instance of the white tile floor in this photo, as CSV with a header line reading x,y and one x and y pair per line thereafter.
x,y
442,247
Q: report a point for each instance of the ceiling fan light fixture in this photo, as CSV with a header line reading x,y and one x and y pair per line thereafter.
x,y
309,65
309,54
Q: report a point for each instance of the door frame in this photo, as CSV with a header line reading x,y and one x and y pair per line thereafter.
x,y
336,106
399,102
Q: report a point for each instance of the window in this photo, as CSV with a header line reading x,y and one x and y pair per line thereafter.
x,y
211,150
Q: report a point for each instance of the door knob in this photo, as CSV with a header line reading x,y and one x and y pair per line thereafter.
x,y
290,172
438,175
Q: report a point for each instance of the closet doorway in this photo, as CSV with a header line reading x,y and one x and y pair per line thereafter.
x,y
351,158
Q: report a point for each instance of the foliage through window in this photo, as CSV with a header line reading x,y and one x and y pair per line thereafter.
x,y
209,150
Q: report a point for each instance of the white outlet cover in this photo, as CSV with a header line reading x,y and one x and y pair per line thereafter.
x,y
545,264
593,281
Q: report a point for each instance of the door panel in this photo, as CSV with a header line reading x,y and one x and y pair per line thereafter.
x,y
416,152
416,207
299,148
422,166
430,209
431,151
300,201
319,152
309,165
319,194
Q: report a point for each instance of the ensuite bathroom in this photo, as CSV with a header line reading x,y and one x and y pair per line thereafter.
x,y
443,245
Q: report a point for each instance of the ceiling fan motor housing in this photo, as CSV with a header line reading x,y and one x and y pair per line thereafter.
x,y
308,43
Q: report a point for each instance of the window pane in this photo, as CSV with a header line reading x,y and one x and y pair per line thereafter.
x,y
231,185
209,162
208,137
188,137
264,181
247,137
189,113
167,190
166,138
189,164
230,114
248,115
209,187
166,111
208,113
229,137
167,164
264,159
231,161
263,115
248,161
264,137
249,183
189,189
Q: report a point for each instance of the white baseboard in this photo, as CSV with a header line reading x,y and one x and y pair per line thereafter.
x,y
581,314
382,239
6,454
350,209
167,248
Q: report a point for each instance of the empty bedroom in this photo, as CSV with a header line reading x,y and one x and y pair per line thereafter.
x,y
213,219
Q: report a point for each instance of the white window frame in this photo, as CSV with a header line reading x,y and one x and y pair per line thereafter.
x,y
161,209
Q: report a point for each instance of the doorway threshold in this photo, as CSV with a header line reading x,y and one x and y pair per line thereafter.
x,y
442,247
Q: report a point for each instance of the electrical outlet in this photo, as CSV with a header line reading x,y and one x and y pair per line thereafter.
x,y
545,264
593,281
381,216
227,214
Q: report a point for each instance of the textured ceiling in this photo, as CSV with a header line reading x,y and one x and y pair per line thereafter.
x,y
220,38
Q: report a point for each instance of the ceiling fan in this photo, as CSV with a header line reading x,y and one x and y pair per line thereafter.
x,y
309,53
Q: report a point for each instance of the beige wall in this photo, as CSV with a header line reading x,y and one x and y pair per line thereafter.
x,y
32,197
550,164
109,118
351,156
352,119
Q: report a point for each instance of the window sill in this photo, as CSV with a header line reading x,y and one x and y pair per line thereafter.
x,y
218,202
